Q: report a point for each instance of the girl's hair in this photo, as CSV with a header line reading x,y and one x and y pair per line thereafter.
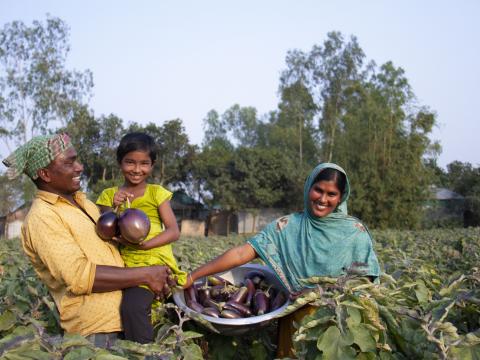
x,y
137,141
334,175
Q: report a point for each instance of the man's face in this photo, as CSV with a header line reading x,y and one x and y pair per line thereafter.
x,y
62,175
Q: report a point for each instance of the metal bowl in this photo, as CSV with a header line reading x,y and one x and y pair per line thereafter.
x,y
234,326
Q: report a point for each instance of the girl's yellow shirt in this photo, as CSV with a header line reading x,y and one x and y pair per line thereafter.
x,y
153,196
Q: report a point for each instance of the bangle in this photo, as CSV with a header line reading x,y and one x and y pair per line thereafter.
x,y
191,278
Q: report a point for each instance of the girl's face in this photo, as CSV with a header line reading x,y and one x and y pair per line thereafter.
x,y
136,167
324,198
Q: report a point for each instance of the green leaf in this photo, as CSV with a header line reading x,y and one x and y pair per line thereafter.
x,y
105,355
421,292
355,315
191,352
70,340
7,320
80,353
336,346
258,351
191,335
363,337
466,352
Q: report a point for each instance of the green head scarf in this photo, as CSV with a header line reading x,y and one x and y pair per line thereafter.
x,y
36,154
300,245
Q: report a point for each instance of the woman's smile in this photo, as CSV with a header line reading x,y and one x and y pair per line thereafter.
x,y
324,198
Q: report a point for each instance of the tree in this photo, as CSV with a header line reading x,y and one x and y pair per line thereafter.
x,y
36,89
327,71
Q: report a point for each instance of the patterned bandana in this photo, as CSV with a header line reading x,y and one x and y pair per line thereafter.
x,y
36,154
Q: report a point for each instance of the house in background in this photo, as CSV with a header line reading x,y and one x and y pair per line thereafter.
x,y
242,222
191,215
444,208
11,223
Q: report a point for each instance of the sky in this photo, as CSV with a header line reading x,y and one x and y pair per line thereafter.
x,y
154,61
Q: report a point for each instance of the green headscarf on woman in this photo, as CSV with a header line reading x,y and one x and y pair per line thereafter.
x,y
301,245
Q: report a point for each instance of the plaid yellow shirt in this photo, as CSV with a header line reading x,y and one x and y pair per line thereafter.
x,y
64,249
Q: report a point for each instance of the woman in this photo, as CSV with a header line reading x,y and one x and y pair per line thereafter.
x,y
323,240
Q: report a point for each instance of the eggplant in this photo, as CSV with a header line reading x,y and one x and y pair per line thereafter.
x,y
195,306
230,314
134,225
203,294
278,300
211,311
107,225
222,292
240,295
242,309
217,280
190,294
260,303
211,303
251,291
255,276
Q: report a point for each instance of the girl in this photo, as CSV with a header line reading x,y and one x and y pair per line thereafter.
x,y
320,241
136,156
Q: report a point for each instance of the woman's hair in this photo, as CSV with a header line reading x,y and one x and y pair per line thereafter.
x,y
330,174
137,141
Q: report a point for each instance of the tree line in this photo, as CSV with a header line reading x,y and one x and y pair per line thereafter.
x,y
334,105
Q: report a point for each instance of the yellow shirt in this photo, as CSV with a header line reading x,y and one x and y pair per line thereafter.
x,y
152,198
64,249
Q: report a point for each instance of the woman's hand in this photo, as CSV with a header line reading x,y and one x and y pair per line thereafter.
x,y
189,281
120,197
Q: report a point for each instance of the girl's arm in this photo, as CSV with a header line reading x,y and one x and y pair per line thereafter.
x,y
234,257
171,232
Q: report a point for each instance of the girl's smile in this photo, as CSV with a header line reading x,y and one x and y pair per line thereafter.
x,y
136,167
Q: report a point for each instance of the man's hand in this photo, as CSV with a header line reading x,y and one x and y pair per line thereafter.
x,y
158,280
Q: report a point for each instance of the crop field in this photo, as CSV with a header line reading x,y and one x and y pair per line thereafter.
x,y
426,306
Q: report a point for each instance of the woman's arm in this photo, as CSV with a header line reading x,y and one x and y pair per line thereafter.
x,y
171,232
234,257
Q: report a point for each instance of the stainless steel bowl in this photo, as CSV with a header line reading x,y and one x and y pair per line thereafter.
x,y
234,326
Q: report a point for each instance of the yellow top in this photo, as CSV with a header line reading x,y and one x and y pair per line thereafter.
x,y
152,198
64,249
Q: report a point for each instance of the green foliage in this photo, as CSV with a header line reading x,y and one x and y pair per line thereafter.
x,y
36,89
426,306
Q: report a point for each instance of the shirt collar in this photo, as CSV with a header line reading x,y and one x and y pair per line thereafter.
x,y
52,198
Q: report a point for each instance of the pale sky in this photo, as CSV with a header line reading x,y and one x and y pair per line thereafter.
x,y
162,60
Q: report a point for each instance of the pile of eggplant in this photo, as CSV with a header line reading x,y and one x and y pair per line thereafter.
x,y
219,298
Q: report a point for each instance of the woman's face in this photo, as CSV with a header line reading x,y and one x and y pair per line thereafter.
x,y
324,197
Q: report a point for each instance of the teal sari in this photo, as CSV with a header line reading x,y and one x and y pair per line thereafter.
x,y
300,245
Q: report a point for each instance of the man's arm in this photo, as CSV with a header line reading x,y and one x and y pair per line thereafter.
x,y
110,278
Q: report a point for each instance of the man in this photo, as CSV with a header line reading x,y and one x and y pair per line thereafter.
x,y
83,273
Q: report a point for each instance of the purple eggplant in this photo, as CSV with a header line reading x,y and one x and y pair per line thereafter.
x,y
241,308
222,292
217,280
211,311
195,306
190,294
240,295
210,303
203,294
277,301
251,291
260,303
230,314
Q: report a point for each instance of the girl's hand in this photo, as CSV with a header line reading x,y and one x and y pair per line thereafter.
x,y
120,197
